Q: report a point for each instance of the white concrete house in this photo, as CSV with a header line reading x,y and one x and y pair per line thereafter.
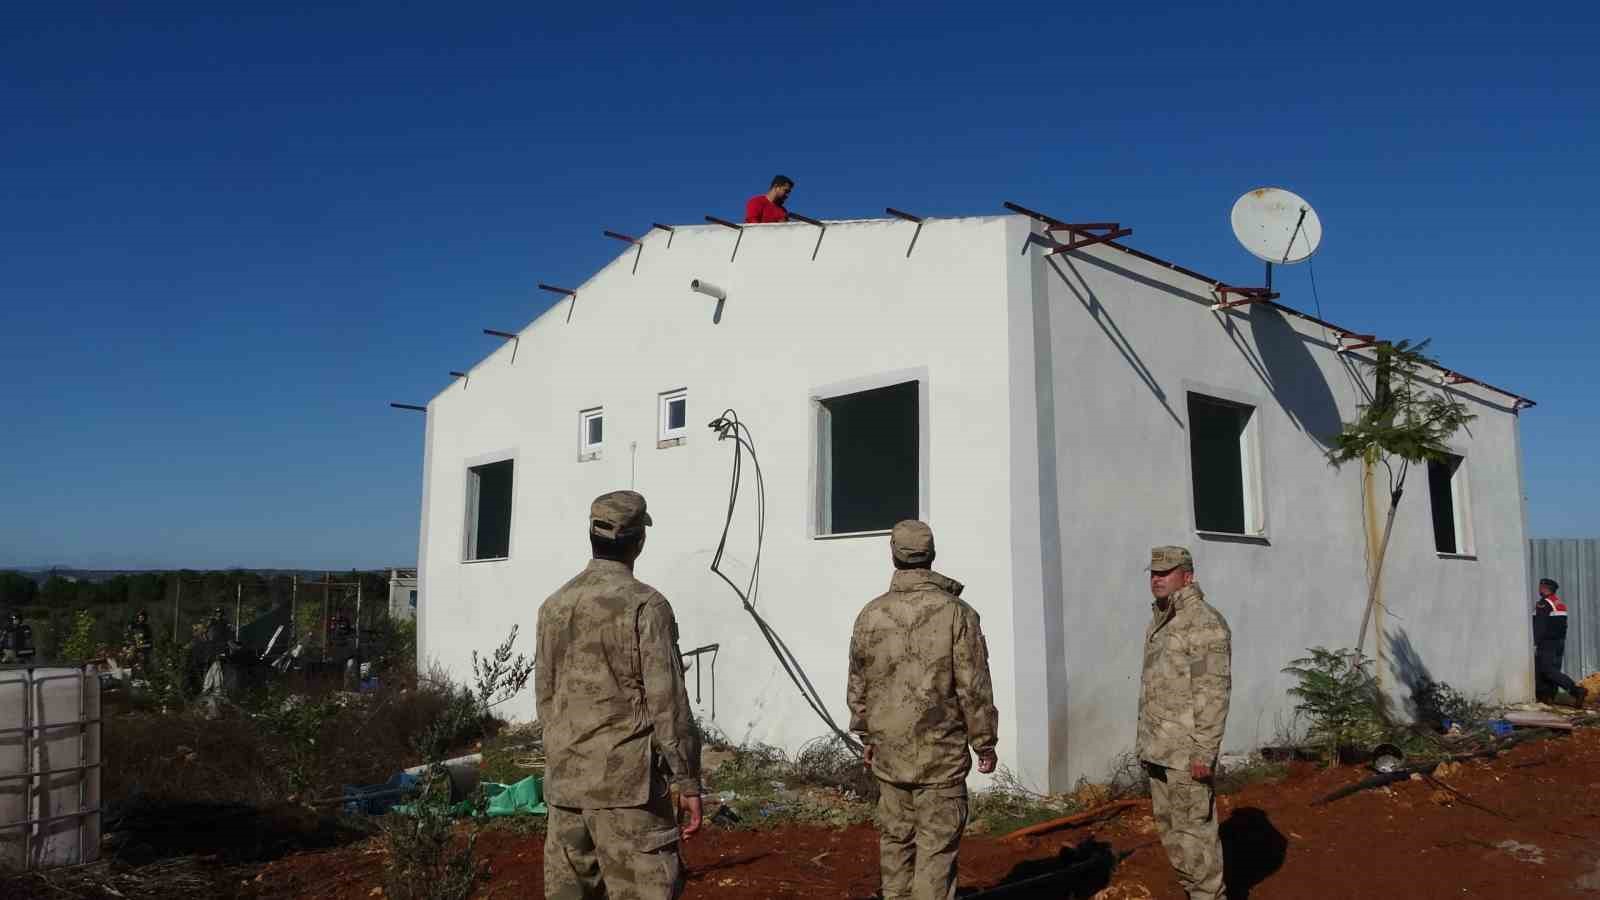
x,y
402,593
1052,416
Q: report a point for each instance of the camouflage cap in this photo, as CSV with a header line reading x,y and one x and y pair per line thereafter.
x,y
1165,559
911,541
617,514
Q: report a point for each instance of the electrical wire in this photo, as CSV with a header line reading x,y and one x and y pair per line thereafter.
x,y
728,427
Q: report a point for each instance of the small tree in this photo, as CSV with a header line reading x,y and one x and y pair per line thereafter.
x,y
498,676
1339,697
78,645
1405,423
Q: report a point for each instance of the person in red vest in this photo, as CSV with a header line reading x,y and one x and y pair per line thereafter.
x,y
1550,645
768,207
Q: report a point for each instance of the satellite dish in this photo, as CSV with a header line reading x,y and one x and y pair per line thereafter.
x,y
1276,225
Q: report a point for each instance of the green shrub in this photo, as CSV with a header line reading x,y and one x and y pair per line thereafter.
x,y
78,645
1341,700
427,859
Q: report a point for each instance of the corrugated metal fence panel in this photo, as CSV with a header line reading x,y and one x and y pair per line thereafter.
x,y
1574,563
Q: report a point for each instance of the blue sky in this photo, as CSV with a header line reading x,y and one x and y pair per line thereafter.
x,y
231,237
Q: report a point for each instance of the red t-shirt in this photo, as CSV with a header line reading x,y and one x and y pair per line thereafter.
x,y
760,209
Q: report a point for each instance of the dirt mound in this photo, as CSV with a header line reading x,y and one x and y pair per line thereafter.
x,y
1523,825
1592,685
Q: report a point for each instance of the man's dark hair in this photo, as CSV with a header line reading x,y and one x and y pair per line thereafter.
x,y
1551,582
781,181
617,549
902,565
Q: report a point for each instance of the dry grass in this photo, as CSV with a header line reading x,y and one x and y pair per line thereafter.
x,y
1008,804
182,878
267,755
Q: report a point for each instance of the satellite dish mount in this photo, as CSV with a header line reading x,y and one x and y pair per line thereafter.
x,y
1278,227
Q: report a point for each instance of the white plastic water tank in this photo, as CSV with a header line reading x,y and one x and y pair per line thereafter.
x,y
49,766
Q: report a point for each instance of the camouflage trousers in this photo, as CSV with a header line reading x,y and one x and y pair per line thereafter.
x,y
919,836
630,853
1185,811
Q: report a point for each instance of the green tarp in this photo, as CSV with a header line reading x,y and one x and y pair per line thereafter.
x,y
526,797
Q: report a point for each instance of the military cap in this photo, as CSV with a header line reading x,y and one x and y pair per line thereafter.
x,y
618,514
1165,559
911,541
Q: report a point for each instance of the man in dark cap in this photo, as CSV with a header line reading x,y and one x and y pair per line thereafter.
x,y
1183,708
1550,645
140,641
617,728
218,634
16,639
920,695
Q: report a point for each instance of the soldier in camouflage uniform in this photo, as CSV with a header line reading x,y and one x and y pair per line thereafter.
x,y
919,694
617,729
1183,706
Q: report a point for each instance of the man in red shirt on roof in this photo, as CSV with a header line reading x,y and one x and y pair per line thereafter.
x,y
768,207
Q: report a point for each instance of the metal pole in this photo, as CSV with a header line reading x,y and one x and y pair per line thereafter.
x,y
177,603
83,761
327,588
294,607
358,617
238,602
29,765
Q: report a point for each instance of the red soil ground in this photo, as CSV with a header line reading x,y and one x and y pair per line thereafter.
x,y
1526,824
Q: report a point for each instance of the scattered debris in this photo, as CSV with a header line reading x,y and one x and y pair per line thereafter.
x,y
1133,890
1528,853
1531,719
725,817
1083,818
1591,684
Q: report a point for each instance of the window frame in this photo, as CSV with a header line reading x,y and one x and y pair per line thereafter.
x,y
818,510
469,530
1252,463
667,436
586,450
1460,508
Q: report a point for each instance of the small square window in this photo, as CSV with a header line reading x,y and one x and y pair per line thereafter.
x,y
674,409
591,433
1222,466
1447,493
489,511
869,449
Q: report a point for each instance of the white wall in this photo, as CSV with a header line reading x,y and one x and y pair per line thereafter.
x,y
1127,339
790,325
1058,456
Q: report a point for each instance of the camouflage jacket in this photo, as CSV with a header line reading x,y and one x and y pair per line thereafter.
x,y
609,683
1183,694
919,687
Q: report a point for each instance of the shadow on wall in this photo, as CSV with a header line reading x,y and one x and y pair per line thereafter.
x,y
1426,696
1283,362
1079,287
